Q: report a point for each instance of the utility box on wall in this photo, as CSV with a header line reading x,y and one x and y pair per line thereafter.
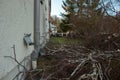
x,y
27,40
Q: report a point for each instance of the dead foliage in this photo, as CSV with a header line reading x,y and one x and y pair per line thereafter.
x,y
103,41
97,59
79,63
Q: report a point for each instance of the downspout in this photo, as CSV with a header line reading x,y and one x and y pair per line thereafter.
x,y
37,26
36,51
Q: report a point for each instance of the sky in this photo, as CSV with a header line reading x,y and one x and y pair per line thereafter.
x,y
56,7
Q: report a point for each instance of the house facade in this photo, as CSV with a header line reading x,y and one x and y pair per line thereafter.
x,y
53,29
17,35
44,21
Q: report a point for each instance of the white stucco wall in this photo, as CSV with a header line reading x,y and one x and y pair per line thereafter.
x,y
16,19
44,23
42,18
47,19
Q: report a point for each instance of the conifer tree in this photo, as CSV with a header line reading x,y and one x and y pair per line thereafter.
x,y
81,15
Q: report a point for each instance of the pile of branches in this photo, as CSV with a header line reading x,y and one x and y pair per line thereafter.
x,y
97,59
74,63
81,63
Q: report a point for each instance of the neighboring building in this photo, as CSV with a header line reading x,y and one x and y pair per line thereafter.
x,y
16,22
53,30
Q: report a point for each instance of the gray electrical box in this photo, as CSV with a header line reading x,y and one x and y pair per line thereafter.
x,y
27,39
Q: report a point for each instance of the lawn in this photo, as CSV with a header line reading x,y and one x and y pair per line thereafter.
x,y
64,41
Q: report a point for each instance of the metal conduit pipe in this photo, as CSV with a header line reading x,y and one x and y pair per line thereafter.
x,y
36,51
37,26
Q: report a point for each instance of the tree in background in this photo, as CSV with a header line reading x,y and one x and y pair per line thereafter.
x,y
111,7
68,6
87,18
81,16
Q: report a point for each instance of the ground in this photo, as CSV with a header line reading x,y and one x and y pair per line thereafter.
x,y
66,60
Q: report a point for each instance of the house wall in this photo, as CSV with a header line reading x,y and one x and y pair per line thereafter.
x,y
47,13
16,19
44,22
